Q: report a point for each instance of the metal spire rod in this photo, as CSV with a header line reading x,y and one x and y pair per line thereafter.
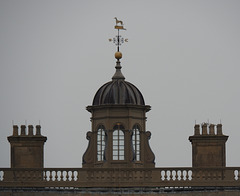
x,y
118,41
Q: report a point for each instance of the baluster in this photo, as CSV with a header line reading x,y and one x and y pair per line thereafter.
x,y
177,176
161,175
54,174
50,176
67,176
77,175
72,176
165,175
238,176
187,175
182,175
190,175
171,175
57,178
61,175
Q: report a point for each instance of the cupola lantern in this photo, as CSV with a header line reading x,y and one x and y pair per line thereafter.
x,y
118,137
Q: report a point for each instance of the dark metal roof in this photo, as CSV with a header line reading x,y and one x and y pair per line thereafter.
x,y
118,91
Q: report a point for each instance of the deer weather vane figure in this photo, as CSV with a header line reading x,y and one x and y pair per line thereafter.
x,y
118,39
118,21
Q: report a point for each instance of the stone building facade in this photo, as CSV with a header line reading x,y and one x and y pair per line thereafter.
x,y
119,159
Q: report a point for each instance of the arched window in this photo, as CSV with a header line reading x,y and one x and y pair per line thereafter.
x,y
101,143
136,142
118,142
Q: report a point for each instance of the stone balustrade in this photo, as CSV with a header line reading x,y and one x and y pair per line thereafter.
x,y
116,177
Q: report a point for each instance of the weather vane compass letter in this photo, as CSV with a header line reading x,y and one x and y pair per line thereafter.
x,y
118,39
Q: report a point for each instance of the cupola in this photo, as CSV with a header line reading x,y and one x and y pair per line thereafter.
x,y
118,137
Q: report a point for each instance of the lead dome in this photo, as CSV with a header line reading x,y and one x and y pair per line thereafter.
x,y
118,91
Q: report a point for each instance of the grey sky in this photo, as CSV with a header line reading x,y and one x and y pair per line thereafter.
x,y
183,55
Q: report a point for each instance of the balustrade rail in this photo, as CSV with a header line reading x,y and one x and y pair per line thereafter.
x,y
120,177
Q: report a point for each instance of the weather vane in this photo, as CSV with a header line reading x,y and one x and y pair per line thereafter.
x,y
118,39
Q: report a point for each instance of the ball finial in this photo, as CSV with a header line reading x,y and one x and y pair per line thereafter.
x,y
118,55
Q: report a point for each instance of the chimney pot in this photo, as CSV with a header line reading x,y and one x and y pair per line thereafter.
x,y
30,130
38,130
15,130
204,129
196,130
23,130
211,129
219,129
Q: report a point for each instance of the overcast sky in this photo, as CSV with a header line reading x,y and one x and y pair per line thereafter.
x,y
183,55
